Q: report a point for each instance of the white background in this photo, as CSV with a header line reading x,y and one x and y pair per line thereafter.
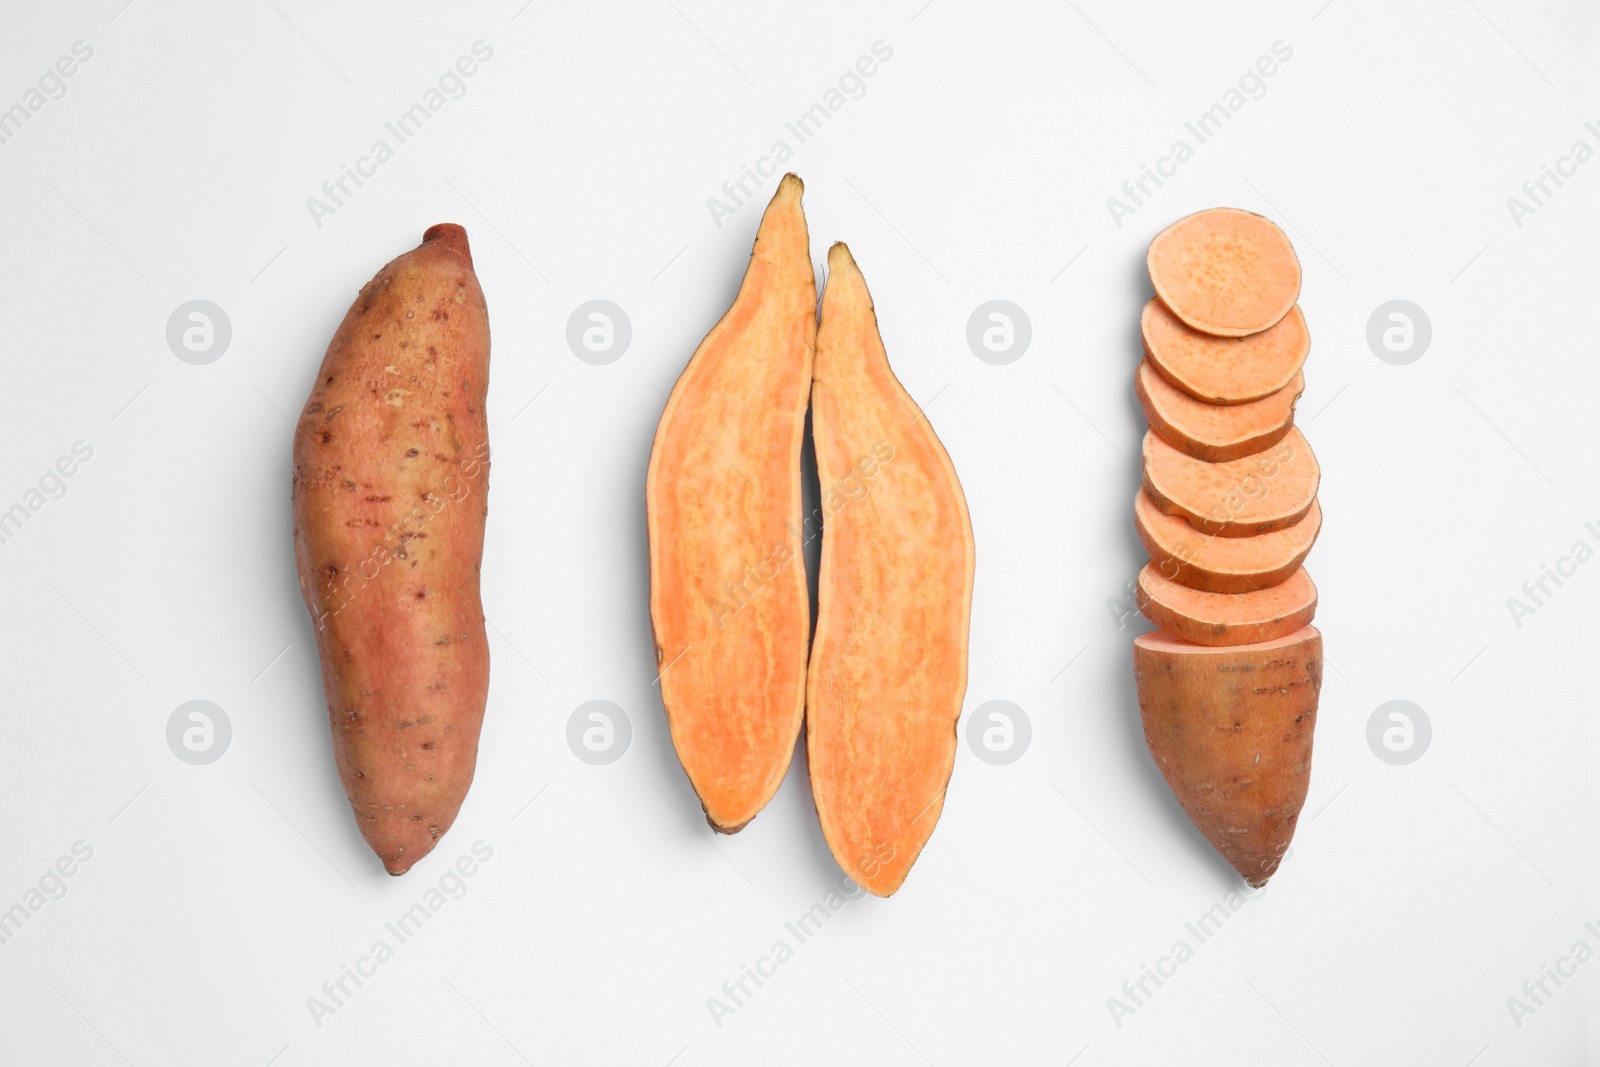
x,y
976,166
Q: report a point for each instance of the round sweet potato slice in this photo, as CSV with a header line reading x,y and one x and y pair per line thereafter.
x,y
1225,370
1222,564
1240,498
1226,618
1225,271
1213,432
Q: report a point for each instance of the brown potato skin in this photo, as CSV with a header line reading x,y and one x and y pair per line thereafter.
x,y
391,482
1226,618
1215,433
1222,564
1224,370
1257,494
1231,729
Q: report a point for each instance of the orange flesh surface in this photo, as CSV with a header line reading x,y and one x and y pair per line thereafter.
x,y
1243,497
1214,432
1224,370
1225,271
1227,618
728,597
1231,730
889,665
1222,564
391,483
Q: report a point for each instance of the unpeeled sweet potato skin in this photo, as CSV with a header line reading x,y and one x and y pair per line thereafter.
x,y
1226,618
1231,729
1215,433
1222,564
889,664
729,605
1224,370
391,482
1255,494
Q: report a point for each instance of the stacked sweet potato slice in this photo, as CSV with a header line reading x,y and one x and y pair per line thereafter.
x,y
1228,511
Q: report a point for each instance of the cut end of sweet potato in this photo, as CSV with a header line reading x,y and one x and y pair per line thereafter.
x,y
728,595
1231,728
1213,432
889,664
1225,271
1226,618
1244,497
1222,564
1224,370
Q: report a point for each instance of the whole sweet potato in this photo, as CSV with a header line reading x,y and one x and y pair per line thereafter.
x,y
391,481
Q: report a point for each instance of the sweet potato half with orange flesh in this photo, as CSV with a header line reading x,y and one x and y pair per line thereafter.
x,y
1225,271
889,663
1222,564
728,597
1224,370
1240,498
1213,432
1230,729
391,484
1226,618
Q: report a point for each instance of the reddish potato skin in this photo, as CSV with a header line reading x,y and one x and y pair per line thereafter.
x,y
1231,730
391,482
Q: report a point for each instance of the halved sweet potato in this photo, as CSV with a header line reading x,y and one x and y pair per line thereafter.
x,y
1224,370
1222,564
1239,498
728,597
1214,432
1230,729
1225,271
889,663
1226,618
